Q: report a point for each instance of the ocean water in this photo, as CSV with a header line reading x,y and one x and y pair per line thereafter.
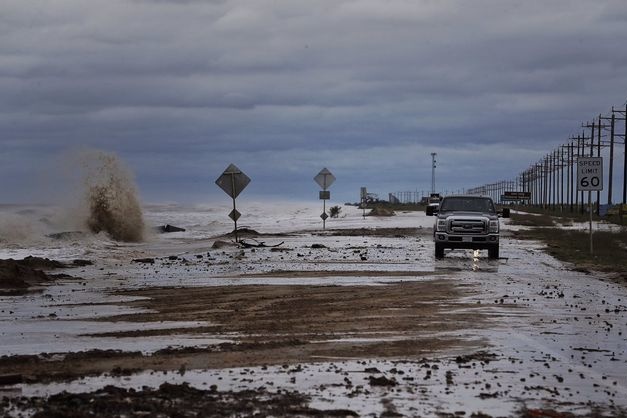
x,y
29,229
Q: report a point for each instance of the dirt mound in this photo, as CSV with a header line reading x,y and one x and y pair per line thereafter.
x,y
243,232
15,276
19,275
40,263
380,211
221,244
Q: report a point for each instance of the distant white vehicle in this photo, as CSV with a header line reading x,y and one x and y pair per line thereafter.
x,y
434,206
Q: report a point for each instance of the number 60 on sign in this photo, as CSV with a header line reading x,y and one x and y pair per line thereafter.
x,y
589,173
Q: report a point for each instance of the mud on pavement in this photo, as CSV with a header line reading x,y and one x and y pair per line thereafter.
x,y
339,324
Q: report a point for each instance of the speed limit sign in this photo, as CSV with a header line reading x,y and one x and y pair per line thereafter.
x,y
589,173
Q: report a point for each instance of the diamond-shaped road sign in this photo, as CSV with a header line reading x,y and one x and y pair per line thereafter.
x,y
234,215
233,181
324,216
324,178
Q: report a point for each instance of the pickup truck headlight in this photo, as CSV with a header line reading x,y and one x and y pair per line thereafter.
x,y
494,227
441,225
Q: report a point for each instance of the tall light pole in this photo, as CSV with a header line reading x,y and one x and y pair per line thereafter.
x,y
433,154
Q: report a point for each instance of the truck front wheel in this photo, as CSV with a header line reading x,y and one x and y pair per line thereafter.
x,y
493,252
439,251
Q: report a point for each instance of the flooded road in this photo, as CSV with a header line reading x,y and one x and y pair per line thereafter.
x,y
407,334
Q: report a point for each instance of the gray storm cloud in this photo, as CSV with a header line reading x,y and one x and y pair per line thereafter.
x,y
181,88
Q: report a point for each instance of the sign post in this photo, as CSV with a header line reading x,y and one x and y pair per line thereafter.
x,y
324,179
363,199
590,178
233,181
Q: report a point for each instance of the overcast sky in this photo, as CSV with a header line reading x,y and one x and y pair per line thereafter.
x,y
282,88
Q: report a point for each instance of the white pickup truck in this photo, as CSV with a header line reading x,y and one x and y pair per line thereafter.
x,y
466,222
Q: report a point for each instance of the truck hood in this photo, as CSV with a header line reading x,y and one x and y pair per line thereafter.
x,y
467,215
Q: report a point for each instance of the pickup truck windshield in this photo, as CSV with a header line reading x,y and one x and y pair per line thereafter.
x,y
467,204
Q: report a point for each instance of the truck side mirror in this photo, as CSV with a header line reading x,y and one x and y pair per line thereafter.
x,y
430,210
505,213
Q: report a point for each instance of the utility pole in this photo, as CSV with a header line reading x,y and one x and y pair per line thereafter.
x,y
545,179
598,127
542,181
598,155
433,154
611,174
549,179
572,178
580,153
612,120
625,162
556,167
538,184
569,175
561,160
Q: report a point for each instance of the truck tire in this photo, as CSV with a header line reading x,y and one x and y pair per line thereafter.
x,y
439,251
493,252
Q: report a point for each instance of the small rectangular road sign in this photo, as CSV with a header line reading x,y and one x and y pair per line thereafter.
x,y
516,195
589,173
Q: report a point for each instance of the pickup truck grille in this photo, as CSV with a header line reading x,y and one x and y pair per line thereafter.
x,y
467,226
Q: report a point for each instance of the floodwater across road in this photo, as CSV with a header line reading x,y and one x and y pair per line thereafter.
x,y
524,331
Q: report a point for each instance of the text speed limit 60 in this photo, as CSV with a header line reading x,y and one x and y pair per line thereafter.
x,y
589,173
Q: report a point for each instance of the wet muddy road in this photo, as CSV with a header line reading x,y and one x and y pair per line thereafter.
x,y
362,322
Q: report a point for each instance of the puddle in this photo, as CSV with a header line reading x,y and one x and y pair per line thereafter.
x,y
58,319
